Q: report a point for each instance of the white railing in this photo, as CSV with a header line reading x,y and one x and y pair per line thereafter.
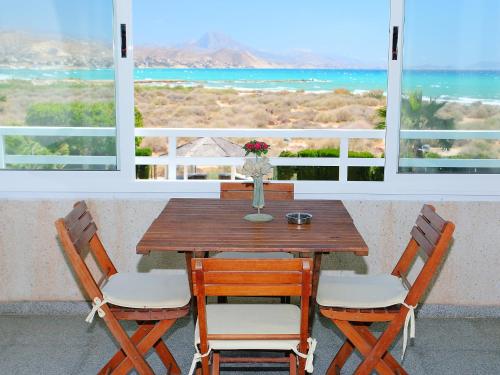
x,y
492,135
54,131
172,160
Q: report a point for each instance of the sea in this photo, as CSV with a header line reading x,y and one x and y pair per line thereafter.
x,y
461,86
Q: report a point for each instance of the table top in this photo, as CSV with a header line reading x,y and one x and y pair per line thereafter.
x,y
188,225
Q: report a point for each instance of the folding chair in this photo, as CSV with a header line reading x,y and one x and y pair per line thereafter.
x,y
250,327
353,303
155,301
242,191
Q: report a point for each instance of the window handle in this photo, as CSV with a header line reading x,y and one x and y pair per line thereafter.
x,y
395,39
123,28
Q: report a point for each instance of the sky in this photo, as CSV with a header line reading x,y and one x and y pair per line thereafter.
x,y
439,33
86,19
355,29
461,34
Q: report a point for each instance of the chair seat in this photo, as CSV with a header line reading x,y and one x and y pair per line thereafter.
x,y
252,319
252,255
359,291
156,290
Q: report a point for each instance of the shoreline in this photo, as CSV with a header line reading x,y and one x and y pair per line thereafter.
x,y
250,85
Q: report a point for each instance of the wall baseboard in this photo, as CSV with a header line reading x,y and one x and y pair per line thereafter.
x,y
83,308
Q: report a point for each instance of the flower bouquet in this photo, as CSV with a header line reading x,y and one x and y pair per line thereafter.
x,y
257,168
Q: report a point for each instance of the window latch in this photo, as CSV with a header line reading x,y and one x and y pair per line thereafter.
x,y
123,29
395,39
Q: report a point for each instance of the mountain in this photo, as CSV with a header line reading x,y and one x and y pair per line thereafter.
x,y
214,41
211,50
217,50
27,50
485,65
195,57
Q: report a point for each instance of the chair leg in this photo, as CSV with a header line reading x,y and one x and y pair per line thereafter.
x,y
144,345
133,354
364,348
376,354
138,335
167,358
285,300
340,358
293,364
391,361
216,364
205,366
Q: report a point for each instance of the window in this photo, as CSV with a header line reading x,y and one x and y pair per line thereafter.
x,y
450,110
316,80
279,71
57,90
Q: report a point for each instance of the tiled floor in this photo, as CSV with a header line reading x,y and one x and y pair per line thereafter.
x,y
67,345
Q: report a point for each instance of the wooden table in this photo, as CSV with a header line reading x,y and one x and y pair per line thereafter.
x,y
197,226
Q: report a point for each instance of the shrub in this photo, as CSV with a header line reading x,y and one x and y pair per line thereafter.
x,y
422,115
377,94
143,172
325,117
286,172
139,123
313,173
344,115
382,115
342,91
76,114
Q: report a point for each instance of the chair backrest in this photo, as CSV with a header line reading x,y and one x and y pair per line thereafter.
x,y
252,277
431,237
78,232
243,190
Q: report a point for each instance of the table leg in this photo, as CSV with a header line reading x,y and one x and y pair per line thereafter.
x,y
189,270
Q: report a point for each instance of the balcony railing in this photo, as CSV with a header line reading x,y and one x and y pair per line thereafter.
x,y
171,160
55,131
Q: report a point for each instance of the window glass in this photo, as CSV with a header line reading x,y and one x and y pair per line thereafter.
x,y
450,109
57,90
273,65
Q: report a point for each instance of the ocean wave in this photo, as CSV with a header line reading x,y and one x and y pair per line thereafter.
x,y
264,81
462,100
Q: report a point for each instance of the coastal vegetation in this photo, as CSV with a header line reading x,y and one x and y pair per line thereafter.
x,y
161,104
312,173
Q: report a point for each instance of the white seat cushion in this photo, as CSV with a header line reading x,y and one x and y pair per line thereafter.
x,y
156,290
252,319
252,255
359,291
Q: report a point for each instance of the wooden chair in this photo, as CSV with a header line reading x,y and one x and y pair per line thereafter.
x,y
244,191
353,303
155,301
269,327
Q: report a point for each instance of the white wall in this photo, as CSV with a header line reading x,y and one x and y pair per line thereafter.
x,y
33,267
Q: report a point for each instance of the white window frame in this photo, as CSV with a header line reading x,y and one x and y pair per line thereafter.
x,y
122,182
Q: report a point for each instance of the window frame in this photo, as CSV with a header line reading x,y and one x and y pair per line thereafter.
x,y
122,182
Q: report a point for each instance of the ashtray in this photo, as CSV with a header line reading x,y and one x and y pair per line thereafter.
x,y
298,218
